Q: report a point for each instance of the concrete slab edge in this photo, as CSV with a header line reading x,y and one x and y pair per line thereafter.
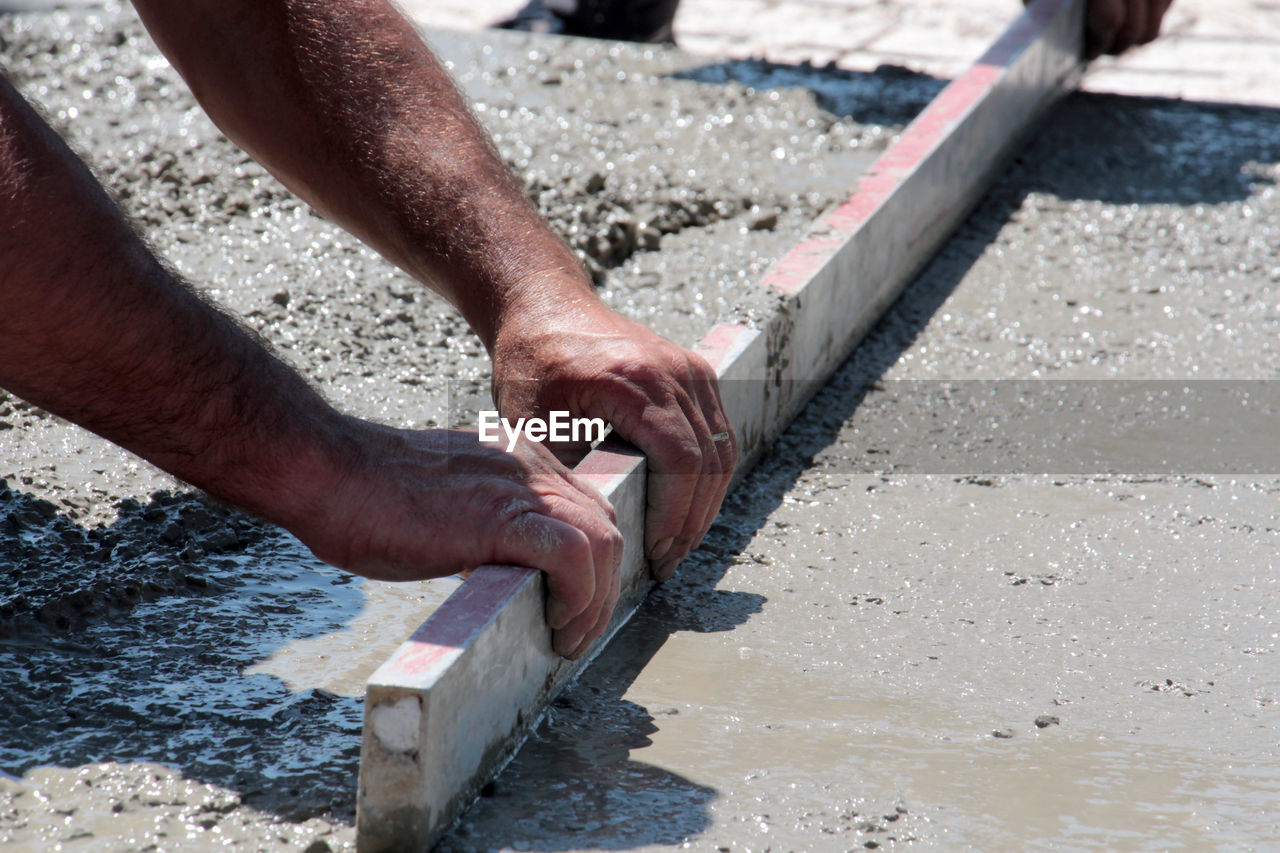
x,y
452,705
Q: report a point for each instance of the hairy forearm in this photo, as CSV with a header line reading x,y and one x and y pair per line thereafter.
x,y
94,329
344,103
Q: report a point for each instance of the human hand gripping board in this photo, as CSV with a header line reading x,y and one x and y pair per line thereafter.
x,y
465,689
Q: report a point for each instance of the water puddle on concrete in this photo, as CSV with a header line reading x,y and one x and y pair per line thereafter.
x,y
341,662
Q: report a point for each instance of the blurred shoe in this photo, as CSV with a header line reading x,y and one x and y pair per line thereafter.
x,y
535,17
646,21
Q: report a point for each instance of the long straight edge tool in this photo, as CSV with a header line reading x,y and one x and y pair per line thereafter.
x,y
454,702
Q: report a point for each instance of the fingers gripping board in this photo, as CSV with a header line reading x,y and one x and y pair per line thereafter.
x,y
451,706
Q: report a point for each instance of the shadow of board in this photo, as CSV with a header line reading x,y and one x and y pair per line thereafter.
x,y
577,783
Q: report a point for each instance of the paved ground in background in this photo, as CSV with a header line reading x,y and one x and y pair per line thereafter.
x,y
1211,50
1218,50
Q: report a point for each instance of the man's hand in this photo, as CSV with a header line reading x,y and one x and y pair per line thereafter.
x,y
106,337
399,505
1114,26
581,357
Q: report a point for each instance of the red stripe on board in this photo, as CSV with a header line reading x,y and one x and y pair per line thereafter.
x,y
904,156
934,124
884,177
799,264
416,659
459,620
719,343
922,137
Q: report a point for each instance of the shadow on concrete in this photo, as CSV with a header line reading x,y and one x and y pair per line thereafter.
x,y
1118,150
1129,150
1112,148
129,643
574,784
890,96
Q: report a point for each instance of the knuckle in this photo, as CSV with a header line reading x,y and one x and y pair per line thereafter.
x,y
683,457
508,504
597,533
642,370
577,545
699,368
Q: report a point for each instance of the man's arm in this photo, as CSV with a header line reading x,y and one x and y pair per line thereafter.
x,y
94,329
343,102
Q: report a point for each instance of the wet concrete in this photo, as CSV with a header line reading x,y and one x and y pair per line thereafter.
x,y
180,675
862,653
870,651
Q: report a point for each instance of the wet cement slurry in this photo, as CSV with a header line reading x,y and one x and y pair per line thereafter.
x,y
179,676
873,650
865,652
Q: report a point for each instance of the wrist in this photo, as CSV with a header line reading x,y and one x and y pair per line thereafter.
x,y
282,459
545,306
531,301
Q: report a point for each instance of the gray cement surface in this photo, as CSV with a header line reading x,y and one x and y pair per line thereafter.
x,y
876,649
179,675
868,651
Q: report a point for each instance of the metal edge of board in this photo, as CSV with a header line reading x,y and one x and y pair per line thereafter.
x,y
455,701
